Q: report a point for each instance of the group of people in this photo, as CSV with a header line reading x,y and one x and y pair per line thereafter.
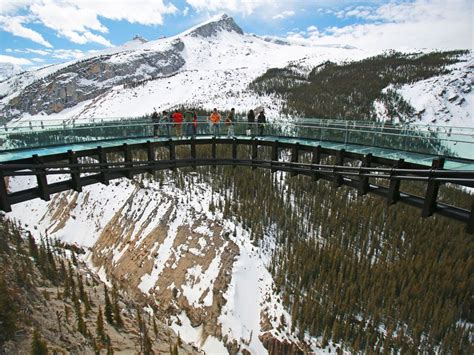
x,y
163,123
166,122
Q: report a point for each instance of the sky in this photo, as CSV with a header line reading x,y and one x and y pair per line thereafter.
x,y
34,33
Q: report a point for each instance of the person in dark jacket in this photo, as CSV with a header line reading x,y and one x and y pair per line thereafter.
x,y
156,120
251,122
188,123
261,120
166,124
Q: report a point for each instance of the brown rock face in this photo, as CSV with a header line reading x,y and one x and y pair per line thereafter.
x,y
277,347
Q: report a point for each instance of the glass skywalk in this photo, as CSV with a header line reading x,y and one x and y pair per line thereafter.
x,y
413,143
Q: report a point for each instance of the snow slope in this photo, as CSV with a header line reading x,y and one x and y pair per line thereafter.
x,y
220,62
444,100
139,208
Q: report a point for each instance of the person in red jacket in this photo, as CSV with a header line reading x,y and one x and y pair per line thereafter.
x,y
178,122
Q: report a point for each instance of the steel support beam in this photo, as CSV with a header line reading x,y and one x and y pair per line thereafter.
x,y
254,152
234,151
5,204
338,179
363,187
429,206
75,175
104,179
127,152
274,154
41,179
316,159
394,188
295,152
172,149
150,153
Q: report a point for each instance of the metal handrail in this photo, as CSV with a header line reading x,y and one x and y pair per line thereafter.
x,y
381,136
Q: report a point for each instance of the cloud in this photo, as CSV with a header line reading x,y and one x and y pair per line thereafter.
x,y
284,15
37,51
14,60
14,25
79,20
433,24
247,7
63,54
67,54
186,11
10,6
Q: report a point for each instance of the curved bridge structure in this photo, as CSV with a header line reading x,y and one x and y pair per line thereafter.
x,y
89,153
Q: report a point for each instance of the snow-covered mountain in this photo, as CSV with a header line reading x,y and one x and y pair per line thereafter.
x,y
446,100
8,70
166,242
208,65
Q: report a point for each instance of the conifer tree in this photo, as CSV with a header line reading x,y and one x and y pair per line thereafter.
x,y
38,346
81,326
108,311
100,326
116,307
155,328
7,312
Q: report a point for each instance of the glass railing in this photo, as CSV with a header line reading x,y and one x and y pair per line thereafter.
x,y
439,140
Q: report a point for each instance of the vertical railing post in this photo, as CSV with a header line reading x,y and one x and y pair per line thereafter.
x,y
432,189
274,155
339,179
316,159
234,151
102,155
364,180
470,222
75,175
295,156
127,152
193,150
254,153
214,152
5,204
150,156
394,187
43,191
172,149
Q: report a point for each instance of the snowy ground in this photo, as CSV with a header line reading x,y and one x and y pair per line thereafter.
x,y
445,100
79,219
217,72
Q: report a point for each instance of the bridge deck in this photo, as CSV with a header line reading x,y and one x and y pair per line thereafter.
x,y
411,157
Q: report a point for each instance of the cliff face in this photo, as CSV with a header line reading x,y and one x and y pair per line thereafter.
x,y
89,78
166,241
57,299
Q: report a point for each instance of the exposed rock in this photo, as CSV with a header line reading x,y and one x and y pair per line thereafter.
x,y
276,347
85,80
453,97
225,23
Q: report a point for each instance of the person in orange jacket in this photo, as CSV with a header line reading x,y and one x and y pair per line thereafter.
x,y
215,120
178,122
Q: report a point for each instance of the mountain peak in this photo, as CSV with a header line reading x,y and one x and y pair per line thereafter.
x,y
136,41
139,38
215,25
